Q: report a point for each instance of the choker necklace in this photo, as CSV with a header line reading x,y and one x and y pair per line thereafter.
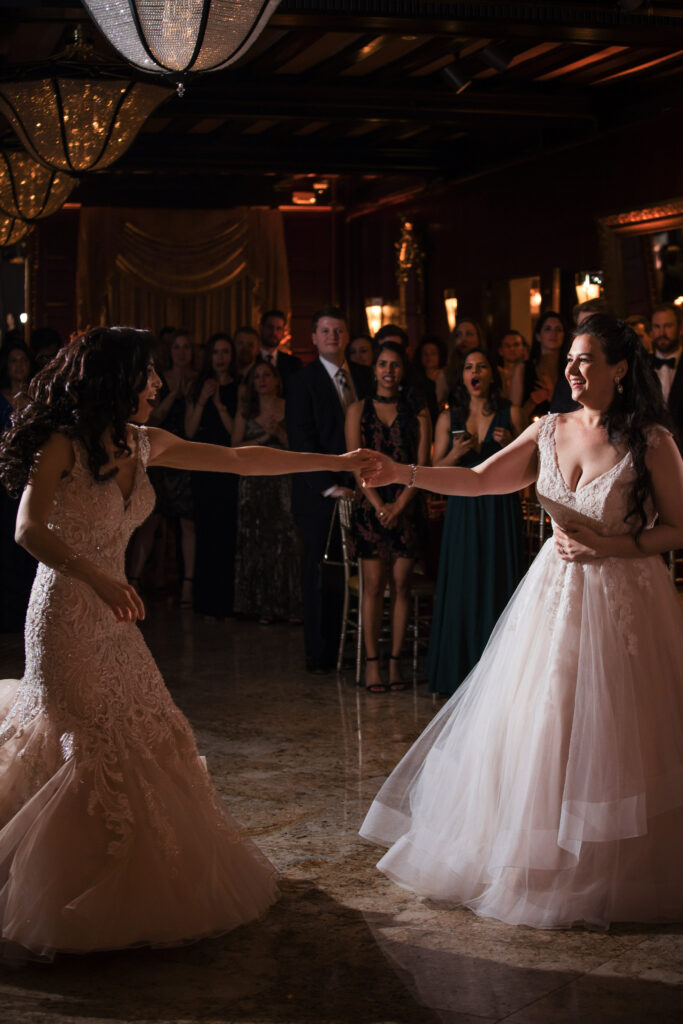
x,y
384,399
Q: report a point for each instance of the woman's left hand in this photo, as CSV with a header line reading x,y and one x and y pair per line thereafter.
x,y
362,461
382,470
391,511
502,436
577,543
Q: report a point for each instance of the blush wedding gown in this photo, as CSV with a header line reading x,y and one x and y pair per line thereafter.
x,y
549,790
112,833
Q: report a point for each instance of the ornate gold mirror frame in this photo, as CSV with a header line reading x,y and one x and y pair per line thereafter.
x,y
612,229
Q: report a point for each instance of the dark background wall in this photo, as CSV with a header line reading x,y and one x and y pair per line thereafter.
x,y
523,220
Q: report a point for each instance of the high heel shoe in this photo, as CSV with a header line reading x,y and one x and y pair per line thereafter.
x,y
400,684
374,687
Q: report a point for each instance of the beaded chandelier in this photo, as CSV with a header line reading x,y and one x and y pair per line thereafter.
x,y
12,230
28,190
78,124
179,36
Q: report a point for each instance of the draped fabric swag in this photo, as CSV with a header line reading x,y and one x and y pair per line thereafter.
x,y
206,270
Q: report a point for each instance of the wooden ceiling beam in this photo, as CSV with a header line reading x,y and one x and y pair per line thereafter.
x,y
247,97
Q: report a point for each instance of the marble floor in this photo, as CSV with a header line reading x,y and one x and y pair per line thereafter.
x,y
298,759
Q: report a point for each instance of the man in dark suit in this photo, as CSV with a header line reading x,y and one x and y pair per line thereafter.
x,y
316,404
272,331
667,363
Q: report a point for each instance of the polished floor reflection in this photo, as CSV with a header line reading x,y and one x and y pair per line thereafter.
x,y
298,759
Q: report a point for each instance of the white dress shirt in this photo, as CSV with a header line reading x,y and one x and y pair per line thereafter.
x,y
269,355
333,370
666,374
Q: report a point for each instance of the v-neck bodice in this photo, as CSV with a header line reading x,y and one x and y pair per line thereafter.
x,y
604,501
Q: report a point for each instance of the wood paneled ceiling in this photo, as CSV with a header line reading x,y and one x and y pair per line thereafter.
x,y
362,92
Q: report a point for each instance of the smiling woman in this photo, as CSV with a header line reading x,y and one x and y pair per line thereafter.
x,y
548,791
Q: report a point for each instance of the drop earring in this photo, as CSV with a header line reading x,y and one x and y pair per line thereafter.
x,y
618,385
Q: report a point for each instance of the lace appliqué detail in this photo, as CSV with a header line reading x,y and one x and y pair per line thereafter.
x,y
92,693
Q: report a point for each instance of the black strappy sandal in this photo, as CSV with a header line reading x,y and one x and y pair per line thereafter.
x,y
375,687
400,685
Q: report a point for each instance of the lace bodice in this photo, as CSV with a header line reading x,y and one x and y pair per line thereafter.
x,y
93,517
601,504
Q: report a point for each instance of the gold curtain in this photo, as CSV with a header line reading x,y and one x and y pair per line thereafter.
x,y
206,270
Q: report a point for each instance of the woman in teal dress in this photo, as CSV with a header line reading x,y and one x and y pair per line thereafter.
x,y
482,549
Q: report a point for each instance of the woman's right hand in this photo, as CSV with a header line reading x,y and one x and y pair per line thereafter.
x,y
461,446
543,390
122,598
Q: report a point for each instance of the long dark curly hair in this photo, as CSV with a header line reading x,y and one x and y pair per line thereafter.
x,y
90,388
408,403
633,411
460,398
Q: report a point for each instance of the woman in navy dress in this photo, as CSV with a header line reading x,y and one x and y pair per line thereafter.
x,y
482,550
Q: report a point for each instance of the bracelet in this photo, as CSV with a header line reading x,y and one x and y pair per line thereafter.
x,y
413,474
66,562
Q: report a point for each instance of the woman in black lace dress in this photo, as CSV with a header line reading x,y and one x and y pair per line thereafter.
x,y
211,406
388,523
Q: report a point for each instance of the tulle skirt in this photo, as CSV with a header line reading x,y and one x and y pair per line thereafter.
x,y
549,790
159,863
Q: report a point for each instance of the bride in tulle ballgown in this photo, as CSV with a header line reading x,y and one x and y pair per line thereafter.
x,y
112,833
549,790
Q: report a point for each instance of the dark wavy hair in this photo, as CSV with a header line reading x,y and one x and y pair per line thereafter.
x,y
640,405
92,386
460,398
249,404
207,370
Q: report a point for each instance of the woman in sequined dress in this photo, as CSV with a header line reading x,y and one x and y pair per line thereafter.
x,y
112,833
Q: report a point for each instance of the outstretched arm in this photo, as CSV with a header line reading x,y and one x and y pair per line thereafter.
x,y
505,472
252,460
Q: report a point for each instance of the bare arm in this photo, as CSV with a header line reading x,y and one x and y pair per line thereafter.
x,y
504,473
238,428
576,543
352,433
446,454
252,460
55,460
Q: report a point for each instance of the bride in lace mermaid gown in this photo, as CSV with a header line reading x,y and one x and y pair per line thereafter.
x,y
549,790
112,833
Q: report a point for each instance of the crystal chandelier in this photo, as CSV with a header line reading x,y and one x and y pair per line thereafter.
x,y
12,230
178,36
28,190
78,124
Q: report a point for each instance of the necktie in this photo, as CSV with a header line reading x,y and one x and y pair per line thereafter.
x,y
344,388
270,359
659,362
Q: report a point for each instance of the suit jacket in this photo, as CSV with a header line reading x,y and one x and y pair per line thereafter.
x,y
315,423
675,401
287,366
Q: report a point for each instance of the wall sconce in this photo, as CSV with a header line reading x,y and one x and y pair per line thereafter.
x,y
373,314
451,303
678,301
588,285
535,297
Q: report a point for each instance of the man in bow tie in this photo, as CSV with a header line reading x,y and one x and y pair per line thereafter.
x,y
315,409
666,360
